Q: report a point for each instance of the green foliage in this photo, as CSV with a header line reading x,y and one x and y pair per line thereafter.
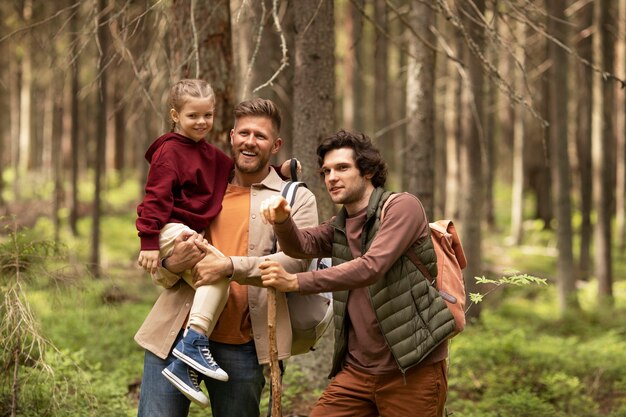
x,y
517,364
522,358
514,278
20,253
33,378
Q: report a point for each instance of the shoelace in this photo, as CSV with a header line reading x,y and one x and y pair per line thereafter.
x,y
193,375
207,355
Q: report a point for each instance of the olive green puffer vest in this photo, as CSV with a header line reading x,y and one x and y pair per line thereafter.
x,y
418,319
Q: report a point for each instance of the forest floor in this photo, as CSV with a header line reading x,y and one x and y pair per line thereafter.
x,y
523,358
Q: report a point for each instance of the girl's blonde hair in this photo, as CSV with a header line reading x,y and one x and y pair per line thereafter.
x,y
185,88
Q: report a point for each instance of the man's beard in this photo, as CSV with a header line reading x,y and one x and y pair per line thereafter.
x,y
351,196
252,168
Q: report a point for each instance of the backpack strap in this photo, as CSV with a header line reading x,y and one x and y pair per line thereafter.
x,y
409,253
293,167
289,193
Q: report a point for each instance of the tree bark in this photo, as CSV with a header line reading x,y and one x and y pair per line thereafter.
x,y
314,90
357,77
119,123
583,140
601,150
454,92
348,67
381,85
201,44
472,151
74,142
23,148
419,153
101,135
491,106
57,154
558,136
517,203
620,129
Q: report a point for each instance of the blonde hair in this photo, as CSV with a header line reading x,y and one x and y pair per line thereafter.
x,y
185,88
259,107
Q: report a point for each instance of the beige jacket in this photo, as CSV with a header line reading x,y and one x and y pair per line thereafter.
x,y
159,330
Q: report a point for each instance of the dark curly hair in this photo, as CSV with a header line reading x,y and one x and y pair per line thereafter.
x,y
367,157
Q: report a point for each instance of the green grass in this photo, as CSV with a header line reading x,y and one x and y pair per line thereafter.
x,y
521,359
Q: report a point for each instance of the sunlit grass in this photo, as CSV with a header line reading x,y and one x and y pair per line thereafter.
x,y
521,336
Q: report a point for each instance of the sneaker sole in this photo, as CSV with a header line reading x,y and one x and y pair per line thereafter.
x,y
197,398
198,367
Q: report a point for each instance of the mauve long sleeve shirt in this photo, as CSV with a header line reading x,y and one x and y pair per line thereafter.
x,y
404,224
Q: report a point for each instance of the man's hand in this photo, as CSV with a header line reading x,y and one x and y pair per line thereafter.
x,y
186,253
213,267
275,210
274,275
149,260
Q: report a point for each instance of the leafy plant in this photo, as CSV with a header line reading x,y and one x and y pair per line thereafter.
x,y
30,385
515,278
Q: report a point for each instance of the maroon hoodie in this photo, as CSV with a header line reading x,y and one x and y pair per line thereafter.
x,y
186,183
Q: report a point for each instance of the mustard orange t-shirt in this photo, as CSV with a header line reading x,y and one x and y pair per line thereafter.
x,y
229,233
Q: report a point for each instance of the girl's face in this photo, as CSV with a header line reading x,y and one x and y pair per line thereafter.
x,y
195,118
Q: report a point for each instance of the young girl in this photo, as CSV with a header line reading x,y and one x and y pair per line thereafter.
x,y
183,193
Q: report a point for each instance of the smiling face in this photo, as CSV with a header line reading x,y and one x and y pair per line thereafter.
x,y
344,181
254,140
195,118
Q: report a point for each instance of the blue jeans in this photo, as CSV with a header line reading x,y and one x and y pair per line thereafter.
x,y
239,397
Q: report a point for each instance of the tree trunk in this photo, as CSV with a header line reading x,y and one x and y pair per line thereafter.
x,y
583,139
381,84
620,128
538,169
269,73
473,188
602,149
24,138
491,110
419,153
57,154
357,77
517,203
201,44
398,104
349,67
558,136
453,117
75,88
314,90
119,123
101,135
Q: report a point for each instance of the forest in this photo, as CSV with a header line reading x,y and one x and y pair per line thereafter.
x,y
507,116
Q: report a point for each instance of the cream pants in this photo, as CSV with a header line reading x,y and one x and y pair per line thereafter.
x,y
209,300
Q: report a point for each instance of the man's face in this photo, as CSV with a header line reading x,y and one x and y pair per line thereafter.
x,y
254,140
342,177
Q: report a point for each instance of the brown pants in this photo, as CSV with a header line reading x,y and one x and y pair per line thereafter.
x,y
355,393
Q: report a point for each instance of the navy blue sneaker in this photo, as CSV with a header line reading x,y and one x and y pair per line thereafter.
x,y
185,379
193,349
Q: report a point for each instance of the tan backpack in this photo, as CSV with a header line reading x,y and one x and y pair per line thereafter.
x,y
450,264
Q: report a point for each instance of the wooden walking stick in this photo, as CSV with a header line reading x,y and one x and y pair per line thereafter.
x,y
274,367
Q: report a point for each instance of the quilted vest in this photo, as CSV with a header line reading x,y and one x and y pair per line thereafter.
x,y
418,320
